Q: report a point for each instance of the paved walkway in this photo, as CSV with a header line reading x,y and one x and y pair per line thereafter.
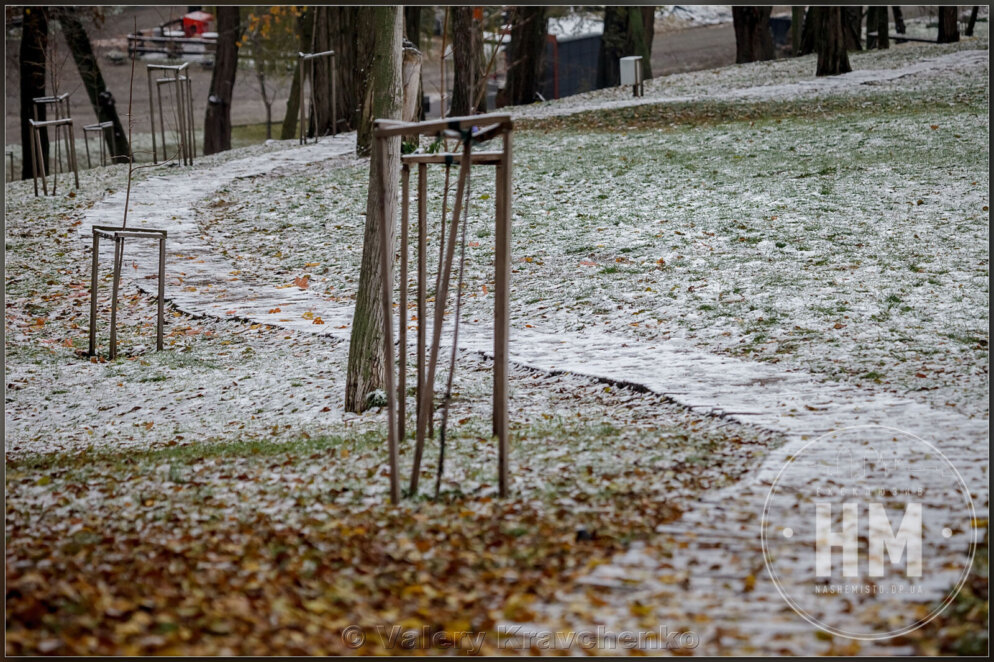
x,y
716,569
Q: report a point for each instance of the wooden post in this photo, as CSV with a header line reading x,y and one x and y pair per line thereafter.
x,y
151,115
162,293
334,98
162,122
94,281
192,130
386,282
118,253
72,152
502,283
402,316
422,275
40,160
441,294
303,83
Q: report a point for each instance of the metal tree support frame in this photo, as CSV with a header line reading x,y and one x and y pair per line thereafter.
x,y
119,235
101,129
469,130
311,58
38,162
183,109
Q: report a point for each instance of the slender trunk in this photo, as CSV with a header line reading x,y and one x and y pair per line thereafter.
x,y
467,55
948,25
830,41
853,17
649,27
412,31
322,73
753,39
260,76
973,21
305,29
366,359
808,33
624,35
878,25
89,71
525,54
796,22
898,20
217,120
34,44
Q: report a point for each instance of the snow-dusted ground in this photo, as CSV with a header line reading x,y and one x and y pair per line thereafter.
x,y
694,225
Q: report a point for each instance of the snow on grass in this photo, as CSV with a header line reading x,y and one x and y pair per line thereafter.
x,y
852,245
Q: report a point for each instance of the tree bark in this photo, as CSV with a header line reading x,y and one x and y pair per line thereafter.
x,y
366,359
808,33
305,31
753,39
973,21
322,73
217,120
948,25
830,41
412,32
467,60
853,17
34,44
624,35
526,54
899,27
878,24
649,28
89,71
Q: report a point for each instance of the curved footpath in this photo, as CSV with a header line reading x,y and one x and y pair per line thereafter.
x,y
717,565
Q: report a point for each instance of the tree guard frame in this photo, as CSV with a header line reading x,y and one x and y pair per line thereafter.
x,y
470,130
119,234
311,57
100,128
38,161
184,109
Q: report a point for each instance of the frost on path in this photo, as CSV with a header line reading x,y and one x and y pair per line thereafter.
x,y
717,568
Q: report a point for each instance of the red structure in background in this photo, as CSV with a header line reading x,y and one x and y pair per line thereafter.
x,y
195,23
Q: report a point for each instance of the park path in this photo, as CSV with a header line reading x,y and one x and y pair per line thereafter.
x,y
716,569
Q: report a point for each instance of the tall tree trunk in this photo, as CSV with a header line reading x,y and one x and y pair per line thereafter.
x,y
352,40
853,17
366,359
796,22
321,81
808,33
899,27
89,70
878,25
624,35
649,27
526,54
753,39
948,25
305,31
412,24
973,21
34,44
467,60
217,120
830,41
412,32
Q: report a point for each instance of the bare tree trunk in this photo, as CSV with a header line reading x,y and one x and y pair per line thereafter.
x,y
853,17
624,35
878,25
89,70
34,44
321,42
366,359
899,27
217,120
352,39
526,54
753,39
973,21
412,32
305,30
948,25
808,33
467,60
649,29
830,41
